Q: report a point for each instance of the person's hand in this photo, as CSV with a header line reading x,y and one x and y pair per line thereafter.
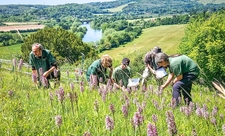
x,y
111,81
162,87
153,72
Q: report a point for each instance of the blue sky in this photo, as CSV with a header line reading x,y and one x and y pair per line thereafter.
x,y
48,2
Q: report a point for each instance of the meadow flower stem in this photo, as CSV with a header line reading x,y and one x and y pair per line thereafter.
x,y
139,128
51,104
77,109
126,120
72,107
62,107
114,119
59,132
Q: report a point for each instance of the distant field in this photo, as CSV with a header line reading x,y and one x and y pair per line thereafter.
x,y
21,23
117,9
167,37
20,27
211,1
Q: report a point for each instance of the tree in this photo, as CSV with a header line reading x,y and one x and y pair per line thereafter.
x,y
64,45
204,42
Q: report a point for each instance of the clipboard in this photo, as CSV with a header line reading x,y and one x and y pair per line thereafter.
x,y
160,73
133,82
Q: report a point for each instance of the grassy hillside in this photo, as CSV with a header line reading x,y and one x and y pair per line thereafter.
x,y
117,9
9,52
211,1
167,37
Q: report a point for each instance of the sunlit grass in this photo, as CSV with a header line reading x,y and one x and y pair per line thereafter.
x,y
10,52
117,9
211,1
27,110
167,37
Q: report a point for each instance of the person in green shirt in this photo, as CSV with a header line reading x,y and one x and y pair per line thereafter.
x,y
43,64
121,74
183,71
97,71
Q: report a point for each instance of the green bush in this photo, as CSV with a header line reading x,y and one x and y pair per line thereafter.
x,y
204,42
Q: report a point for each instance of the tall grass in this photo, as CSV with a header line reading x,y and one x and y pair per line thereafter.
x,y
27,110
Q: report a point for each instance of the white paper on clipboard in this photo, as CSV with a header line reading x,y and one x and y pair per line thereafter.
x,y
160,73
132,82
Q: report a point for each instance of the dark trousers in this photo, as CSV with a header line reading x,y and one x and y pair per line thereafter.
x,y
184,86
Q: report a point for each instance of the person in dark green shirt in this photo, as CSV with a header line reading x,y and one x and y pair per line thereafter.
x,y
183,71
97,71
43,64
121,74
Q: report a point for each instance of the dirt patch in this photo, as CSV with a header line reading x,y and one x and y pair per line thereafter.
x,y
20,23
20,27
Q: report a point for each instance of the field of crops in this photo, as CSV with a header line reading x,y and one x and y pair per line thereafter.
x,y
20,27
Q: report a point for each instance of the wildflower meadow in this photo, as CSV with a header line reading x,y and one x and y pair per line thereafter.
x,y
76,108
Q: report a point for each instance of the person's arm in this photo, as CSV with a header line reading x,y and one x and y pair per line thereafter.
x,y
152,70
49,71
178,78
52,63
115,84
114,74
169,79
110,73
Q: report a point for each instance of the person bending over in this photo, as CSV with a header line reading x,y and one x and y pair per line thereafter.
x,y
150,65
183,71
43,64
97,71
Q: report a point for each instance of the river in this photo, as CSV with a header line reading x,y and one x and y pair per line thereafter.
x,y
92,35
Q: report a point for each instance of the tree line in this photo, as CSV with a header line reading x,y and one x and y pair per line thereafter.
x,y
134,9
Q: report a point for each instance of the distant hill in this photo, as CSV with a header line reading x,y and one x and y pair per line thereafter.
x,y
123,8
211,1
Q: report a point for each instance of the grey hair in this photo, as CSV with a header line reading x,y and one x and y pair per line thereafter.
x,y
41,47
159,57
156,49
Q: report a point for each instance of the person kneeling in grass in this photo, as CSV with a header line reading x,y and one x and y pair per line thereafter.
x,y
183,71
121,74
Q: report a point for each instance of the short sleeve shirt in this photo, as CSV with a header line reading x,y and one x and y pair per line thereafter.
x,y
183,64
120,74
42,62
97,69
